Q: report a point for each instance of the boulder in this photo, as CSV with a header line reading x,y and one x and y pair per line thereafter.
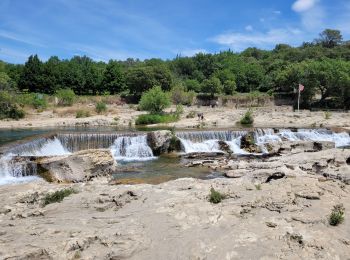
x,y
288,147
77,167
159,141
248,143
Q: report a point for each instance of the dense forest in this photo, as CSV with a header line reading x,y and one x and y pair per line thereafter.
x,y
322,66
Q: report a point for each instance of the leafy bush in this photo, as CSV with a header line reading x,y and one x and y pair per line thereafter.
x,y
148,119
57,196
65,97
192,114
39,101
179,110
82,113
327,115
182,97
247,119
8,107
100,107
215,196
154,100
337,215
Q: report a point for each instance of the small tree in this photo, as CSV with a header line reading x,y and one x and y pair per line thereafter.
x,y
212,86
66,97
154,100
247,119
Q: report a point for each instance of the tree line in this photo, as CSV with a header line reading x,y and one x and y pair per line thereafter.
x,y
323,66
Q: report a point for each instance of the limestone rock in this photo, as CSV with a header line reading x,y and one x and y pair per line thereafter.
x,y
159,141
77,167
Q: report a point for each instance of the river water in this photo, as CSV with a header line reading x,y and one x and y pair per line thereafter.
x,y
130,149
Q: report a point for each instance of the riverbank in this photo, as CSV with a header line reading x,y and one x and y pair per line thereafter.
x,y
282,219
221,117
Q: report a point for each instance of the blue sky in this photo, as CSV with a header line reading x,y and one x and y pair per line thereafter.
x,y
118,29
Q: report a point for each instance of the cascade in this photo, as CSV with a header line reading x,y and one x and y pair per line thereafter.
x,y
132,148
84,141
340,139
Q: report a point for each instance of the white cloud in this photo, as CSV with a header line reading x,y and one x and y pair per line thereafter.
x,y
249,28
192,52
303,5
240,41
277,12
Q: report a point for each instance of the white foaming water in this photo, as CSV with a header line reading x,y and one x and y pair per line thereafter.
x,y
340,139
208,141
235,146
202,147
132,148
53,147
9,171
18,172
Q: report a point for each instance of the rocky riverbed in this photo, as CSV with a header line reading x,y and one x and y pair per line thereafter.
x,y
275,207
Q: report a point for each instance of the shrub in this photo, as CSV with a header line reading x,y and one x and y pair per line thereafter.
x,y
192,114
65,97
327,115
39,101
179,111
182,97
148,119
57,196
154,100
8,107
82,113
247,119
215,196
258,186
337,215
100,107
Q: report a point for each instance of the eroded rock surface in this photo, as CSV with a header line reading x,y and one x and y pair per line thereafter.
x,y
159,141
282,219
80,166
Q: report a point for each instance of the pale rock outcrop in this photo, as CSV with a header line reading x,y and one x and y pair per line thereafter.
x,y
77,167
159,141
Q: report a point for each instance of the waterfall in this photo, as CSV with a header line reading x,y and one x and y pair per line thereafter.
x,y
11,170
207,141
340,139
40,147
132,148
84,141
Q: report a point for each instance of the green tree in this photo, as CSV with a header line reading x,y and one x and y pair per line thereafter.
x,y
330,38
5,81
32,75
212,86
113,78
192,84
154,100
140,79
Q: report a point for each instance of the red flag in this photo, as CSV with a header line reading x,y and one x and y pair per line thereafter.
x,y
301,87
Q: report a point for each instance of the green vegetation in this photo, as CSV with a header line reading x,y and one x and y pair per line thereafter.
x,y
100,107
149,119
322,66
191,114
247,119
180,96
57,196
327,115
154,100
65,97
258,186
337,215
215,197
82,113
8,106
